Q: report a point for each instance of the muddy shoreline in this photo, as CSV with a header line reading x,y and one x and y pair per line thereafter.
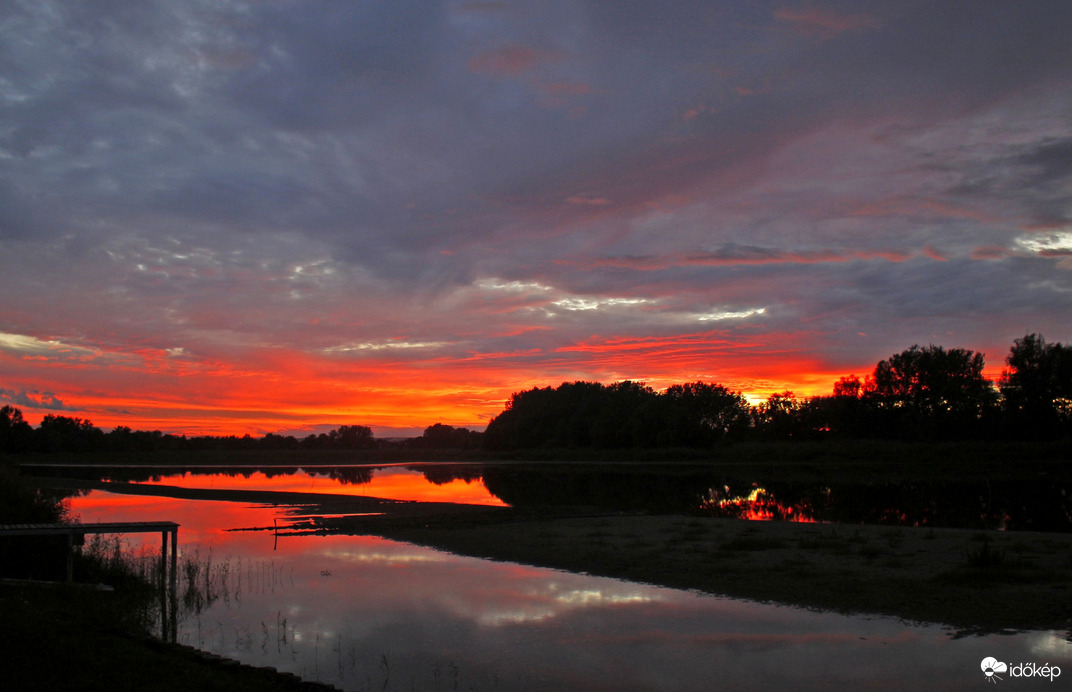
x,y
971,581
968,580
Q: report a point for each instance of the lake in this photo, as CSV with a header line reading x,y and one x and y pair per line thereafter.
x,y
1035,502
366,613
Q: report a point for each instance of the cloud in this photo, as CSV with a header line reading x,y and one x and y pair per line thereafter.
x,y
41,349
825,24
34,400
744,255
588,201
509,61
1053,244
213,202
373,346
738,255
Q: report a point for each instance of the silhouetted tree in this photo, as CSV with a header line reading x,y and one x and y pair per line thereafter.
x,y
624,416
848,387
1037,386
703,413
123,439
63,434
779,417
844,414
15,433
275,441
441,436
352,437
931,391
577,414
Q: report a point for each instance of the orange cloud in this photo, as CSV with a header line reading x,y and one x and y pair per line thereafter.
x,y
286,390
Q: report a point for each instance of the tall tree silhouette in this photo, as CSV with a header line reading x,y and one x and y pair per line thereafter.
x,y
930,391
64,434
15,433
702,413
1037,386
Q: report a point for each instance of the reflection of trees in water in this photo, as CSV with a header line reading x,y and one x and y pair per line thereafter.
x,y
442,474
621,490
758,503
1015,505
347,476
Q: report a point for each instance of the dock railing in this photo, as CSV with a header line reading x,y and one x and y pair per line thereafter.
x,y
76,533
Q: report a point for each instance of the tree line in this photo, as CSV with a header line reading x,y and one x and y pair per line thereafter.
x,y
66,434
921,393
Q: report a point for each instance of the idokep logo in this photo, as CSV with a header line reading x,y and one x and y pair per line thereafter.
x,y
992,667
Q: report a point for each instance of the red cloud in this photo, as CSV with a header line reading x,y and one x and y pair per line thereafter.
x,y
509,61
931,252
588,201
746,255
989,252
749,255
824,24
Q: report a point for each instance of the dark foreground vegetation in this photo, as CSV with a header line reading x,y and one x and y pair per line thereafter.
x,y
68,638
58,636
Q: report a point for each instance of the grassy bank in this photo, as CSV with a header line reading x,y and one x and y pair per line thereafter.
x,y
76,637
68,638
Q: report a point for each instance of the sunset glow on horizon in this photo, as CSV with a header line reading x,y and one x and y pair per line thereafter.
x,y
240,218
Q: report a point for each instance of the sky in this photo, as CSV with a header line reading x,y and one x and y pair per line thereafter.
x,y
229,217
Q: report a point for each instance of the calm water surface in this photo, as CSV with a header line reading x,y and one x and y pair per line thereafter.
x,y
366,613
393,482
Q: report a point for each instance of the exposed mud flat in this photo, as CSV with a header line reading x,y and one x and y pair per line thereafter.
x,y
968,580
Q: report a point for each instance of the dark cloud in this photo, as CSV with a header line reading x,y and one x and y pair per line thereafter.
x,y
34,400
184,183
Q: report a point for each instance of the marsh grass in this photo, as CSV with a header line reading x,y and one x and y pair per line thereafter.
x,y
134,577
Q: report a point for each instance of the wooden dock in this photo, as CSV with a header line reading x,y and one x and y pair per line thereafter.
x,y
76,533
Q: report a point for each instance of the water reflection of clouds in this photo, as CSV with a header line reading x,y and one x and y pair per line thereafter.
x,y
1047,645
336,607
469,589
389,558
